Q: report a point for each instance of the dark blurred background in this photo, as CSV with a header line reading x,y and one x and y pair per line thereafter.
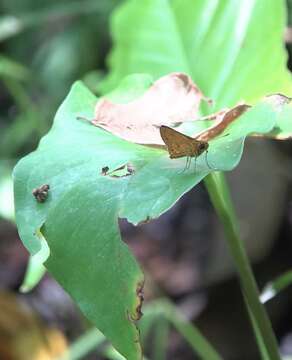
x,y
44,47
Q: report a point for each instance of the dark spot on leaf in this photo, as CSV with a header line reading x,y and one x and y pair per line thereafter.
x,y
209,101
146,221
140,295
138,309
130,317
41,193
84,119
276,131
120,172
104,170
186,81
130,169
137,340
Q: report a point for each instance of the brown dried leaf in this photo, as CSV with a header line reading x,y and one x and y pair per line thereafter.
x,y
171,100
223,119
226,116
278,100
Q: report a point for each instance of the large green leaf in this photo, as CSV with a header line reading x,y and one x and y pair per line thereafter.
x,y
79,219
233,49
283,128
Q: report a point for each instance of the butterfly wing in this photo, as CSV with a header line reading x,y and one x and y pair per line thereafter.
x,y
178,144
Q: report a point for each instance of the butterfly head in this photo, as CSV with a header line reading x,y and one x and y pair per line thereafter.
x,y
202,147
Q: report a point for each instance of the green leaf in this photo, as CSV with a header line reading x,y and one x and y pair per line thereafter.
x,y
79,219
146,40
233,50
35,268
283,127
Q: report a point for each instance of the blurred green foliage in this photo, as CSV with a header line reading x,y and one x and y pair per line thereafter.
x,y
44,47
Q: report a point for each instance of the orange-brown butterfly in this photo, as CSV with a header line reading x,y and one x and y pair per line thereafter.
x,y
180,145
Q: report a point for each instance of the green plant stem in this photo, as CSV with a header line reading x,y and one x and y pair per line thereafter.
x,y
90,340
258,335
161,339
220,197
189,332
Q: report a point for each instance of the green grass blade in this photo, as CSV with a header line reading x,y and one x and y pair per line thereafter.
x,y
189,332
90,340
161,339
220,197
275,286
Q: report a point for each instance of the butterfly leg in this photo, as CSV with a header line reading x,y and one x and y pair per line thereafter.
x,y
207,162
189,160
195,164
187,166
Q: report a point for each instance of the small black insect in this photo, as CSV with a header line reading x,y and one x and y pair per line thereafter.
x,y
41,193
104,170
